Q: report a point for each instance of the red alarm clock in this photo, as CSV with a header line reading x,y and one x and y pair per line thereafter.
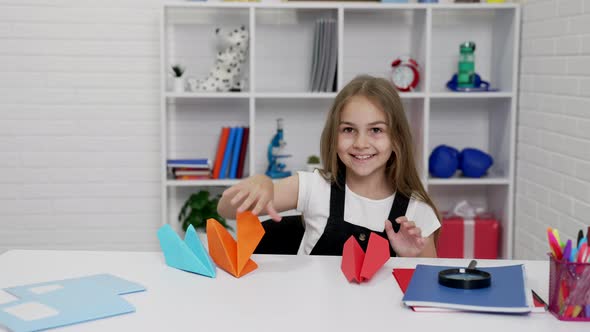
x,y
405,73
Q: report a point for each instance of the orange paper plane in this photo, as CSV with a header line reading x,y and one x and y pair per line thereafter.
x,y
232,256
360,266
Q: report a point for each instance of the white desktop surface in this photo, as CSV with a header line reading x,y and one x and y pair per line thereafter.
x,y
285,293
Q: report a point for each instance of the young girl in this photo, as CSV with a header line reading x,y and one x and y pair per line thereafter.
x,y
369,182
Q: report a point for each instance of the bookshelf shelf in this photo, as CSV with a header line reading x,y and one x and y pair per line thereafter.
x,y
204,95
295,95
278,76
471,95
468,181
200,183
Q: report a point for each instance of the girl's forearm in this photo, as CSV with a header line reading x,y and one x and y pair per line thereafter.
x,y
255,183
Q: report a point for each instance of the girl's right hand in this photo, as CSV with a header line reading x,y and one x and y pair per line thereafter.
x,y
256,194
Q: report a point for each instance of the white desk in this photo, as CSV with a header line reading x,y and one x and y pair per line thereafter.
x,y
286,293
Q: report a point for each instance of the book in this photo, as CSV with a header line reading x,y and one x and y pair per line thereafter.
x,y
314,56
220,151
192,163
233,169
507,294
188,173
178,172
333,57
225,164
192,177
404,275
243,150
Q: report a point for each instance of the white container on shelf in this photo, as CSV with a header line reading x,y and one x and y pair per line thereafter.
x,y
179,84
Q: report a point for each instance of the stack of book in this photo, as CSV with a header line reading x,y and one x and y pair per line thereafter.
x,y
189,169
508,293
231,153
324,56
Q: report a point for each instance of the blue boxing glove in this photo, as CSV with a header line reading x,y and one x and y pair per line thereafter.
x,y
443,161
474,163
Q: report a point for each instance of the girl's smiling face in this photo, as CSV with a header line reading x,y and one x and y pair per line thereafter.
x,y
364,145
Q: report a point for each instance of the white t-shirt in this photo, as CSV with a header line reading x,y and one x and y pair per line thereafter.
x,y
313,202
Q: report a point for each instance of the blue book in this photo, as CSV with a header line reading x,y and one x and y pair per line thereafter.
x,y
235,159
508,292
194,163
228,153
199,161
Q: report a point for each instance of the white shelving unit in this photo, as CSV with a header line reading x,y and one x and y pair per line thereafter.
x,y
370,36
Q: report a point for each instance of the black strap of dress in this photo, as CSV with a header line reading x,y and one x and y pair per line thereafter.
x,y
337,202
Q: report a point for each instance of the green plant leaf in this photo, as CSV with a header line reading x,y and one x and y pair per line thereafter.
x,y
198,208
183,211
313,159
203,195
199,200
198,222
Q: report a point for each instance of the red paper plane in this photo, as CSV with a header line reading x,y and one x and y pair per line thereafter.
x,y
360,266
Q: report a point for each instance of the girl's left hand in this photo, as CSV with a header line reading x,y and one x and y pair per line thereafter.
x,y
408,241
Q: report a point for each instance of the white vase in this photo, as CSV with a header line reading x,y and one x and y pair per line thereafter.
x,y
178,84
312,167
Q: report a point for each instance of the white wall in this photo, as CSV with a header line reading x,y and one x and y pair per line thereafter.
x,y
553,150
79,124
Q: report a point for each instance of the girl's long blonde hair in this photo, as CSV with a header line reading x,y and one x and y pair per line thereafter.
x,y
400,168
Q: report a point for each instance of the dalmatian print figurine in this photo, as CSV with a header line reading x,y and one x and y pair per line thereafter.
x,y
227,72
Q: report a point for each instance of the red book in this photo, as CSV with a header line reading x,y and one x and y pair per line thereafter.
x,y
243,149
220,151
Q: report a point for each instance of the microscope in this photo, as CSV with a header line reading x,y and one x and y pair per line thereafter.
x,y
276,169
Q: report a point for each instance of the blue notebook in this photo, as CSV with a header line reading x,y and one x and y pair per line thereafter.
x,y
507,294
235,159
199,161
225,164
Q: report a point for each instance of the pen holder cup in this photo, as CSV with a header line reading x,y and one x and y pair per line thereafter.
x,y
569,290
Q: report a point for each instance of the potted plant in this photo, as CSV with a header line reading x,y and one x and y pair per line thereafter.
x,y
177,72
197,209
313,162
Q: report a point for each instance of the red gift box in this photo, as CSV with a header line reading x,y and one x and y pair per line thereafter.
x,y
469,238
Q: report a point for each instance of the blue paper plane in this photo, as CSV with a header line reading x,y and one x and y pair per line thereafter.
x,y
189,255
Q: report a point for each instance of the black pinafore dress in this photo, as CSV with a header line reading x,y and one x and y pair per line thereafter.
x,y
337,230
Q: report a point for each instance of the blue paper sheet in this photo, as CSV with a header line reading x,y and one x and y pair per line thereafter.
x,y
64,302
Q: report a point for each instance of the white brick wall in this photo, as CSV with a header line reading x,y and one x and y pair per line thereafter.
x,y
79,124
553,148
